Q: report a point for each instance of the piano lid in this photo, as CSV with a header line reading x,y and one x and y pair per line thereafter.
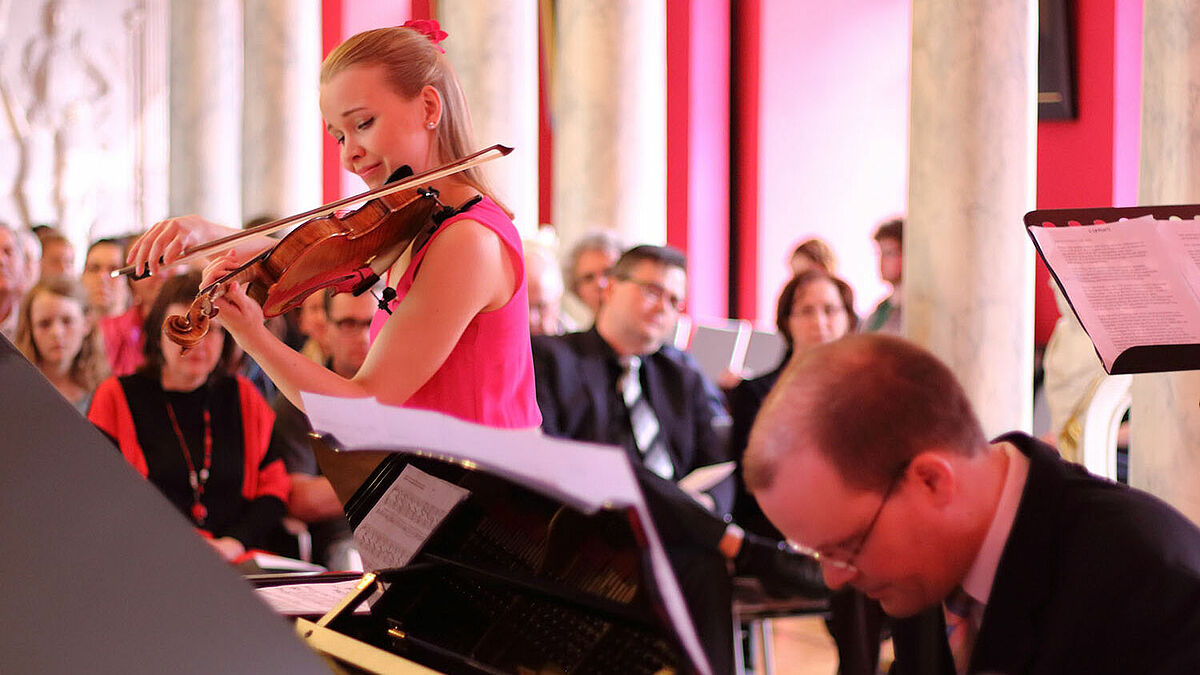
x,y
574,480
100,572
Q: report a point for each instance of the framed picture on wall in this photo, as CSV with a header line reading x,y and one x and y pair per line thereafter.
x,y
1056,60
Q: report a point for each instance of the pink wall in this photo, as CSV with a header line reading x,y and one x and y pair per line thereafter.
x,y
833,136
1127,101
698,148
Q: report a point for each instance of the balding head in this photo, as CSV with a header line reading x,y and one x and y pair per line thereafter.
x,y
868,403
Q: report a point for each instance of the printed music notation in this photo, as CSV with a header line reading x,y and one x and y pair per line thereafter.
x,y
404,517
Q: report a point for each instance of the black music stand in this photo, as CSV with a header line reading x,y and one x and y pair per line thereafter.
x,y
100,574
1142,358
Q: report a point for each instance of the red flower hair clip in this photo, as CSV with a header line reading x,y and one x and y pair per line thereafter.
x,y
430,29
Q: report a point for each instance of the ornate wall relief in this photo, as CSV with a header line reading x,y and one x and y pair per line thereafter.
x,y
84,115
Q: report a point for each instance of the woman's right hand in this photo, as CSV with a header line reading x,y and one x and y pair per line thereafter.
x,y
162,244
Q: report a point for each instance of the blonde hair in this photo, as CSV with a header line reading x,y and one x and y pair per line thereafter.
x,y
411,61
90,365
818,253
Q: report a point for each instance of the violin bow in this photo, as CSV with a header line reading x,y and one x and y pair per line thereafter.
x,y
229,241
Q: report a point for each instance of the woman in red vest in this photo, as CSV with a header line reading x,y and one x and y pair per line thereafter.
x,y
198,433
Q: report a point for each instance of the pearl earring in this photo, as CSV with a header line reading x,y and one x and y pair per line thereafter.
x,y
431,125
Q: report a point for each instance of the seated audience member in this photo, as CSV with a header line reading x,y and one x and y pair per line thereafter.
x,y
58,254
809,254
1073,373
12,268
54,334
999,557
890,240
586,273
589,384
31,250
812,253
312,499
814,308
313,326
122,333
106,296
198,434
544,281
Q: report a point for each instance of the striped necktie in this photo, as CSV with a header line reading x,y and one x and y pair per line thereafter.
x,y
647,433
960,627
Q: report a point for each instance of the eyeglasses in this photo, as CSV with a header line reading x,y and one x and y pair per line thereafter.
x,y
347,325
845,561
656,292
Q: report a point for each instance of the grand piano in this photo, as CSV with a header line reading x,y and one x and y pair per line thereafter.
x,y
550,564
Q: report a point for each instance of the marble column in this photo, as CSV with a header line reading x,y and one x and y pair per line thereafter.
x,y
281,122
968,264
494,49
206,109
1164,451
609,116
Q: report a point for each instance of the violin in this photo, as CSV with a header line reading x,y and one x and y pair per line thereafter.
x,y
347,253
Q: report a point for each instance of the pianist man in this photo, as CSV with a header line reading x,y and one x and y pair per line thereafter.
x,y
1006,558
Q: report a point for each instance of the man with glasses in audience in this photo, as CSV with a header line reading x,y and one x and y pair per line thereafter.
x,y
619,384
996,556
312,500
583,379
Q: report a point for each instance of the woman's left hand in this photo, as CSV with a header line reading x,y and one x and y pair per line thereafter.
x,y
235,310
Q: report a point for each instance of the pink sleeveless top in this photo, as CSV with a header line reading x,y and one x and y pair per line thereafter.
x,y
488,376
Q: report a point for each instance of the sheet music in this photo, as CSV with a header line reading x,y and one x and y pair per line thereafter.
x,y
403,518
1128,281
308,599
585,475
1183,243
580,474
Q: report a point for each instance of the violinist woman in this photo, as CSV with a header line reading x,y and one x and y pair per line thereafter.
x,y
457,336
53,333
199,434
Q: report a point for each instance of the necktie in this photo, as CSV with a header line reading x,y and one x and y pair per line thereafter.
x,y
647,434
960,627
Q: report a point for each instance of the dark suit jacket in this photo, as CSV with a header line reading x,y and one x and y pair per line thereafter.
x,y
744,402
1095,578
576,376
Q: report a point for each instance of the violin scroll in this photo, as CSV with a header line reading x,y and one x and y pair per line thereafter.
x,y
187,331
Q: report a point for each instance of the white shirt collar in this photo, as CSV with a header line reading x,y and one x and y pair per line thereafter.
x,y
982,573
